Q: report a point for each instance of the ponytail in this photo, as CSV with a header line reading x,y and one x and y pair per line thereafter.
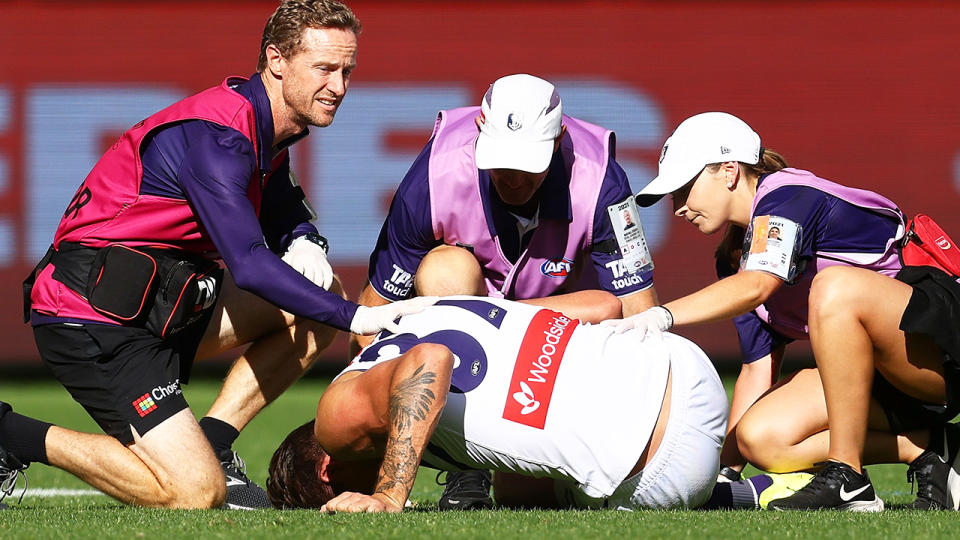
x,y
770,162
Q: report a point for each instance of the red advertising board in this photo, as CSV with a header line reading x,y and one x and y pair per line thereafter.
x,y
862,93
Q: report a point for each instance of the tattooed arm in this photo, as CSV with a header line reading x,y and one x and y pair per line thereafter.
x,y
417,384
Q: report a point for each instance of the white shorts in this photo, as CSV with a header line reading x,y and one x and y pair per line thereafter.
x,y
684,469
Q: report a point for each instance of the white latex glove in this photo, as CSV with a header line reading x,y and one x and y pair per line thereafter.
x,y
653,321
370,320
310,259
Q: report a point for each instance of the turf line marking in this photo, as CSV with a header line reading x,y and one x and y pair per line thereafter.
x,y
61,492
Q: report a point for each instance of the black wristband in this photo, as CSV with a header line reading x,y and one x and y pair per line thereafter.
x,y
318,240
669,315
730,473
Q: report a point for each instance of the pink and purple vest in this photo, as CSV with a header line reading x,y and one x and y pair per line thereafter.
x,y
786,310
458,213
114,210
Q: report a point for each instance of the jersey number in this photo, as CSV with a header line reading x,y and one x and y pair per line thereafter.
x,y
469,362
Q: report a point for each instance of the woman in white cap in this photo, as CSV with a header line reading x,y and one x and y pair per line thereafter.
x,y
834,276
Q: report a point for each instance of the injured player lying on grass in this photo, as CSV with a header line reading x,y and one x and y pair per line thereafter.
x,y
567,414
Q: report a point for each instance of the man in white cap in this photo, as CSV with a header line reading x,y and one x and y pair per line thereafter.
x,y
511,199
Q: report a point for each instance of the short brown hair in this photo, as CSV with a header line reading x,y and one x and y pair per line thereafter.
x,y
294,473
285,27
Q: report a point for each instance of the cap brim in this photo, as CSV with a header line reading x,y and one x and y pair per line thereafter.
x,y
504,153
645,200
656,189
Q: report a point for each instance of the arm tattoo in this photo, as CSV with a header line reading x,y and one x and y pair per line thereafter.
x,y
410,402
411,399
400,466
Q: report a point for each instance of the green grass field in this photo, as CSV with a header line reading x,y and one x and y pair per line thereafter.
x,y
97,516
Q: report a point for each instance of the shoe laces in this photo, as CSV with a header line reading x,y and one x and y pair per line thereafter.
x,y
917,477
8,482
832,470
912,477
459,481
236,463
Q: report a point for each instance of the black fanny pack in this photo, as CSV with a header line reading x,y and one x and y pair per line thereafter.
x,y
162,290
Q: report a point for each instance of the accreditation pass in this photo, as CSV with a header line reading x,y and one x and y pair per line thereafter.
x,y
772,246
625,218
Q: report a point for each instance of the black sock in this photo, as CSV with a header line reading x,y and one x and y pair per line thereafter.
x,y
737,495
24,437
221,436
936,440
721,498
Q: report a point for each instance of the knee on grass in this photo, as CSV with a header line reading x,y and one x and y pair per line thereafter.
x,y
208,491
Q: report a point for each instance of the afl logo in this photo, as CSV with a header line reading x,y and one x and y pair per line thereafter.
x,y
514,121
558,267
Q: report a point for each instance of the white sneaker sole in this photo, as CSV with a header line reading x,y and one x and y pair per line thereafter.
x,y
875,505
953,477
229,506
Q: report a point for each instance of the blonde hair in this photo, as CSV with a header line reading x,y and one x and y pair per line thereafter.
x,y
285,27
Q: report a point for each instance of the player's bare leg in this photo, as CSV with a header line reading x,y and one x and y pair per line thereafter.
x,y
854,329
755,379
171,466
786,430
282,348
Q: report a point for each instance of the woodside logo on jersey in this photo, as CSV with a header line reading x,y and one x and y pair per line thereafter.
x,y
535,371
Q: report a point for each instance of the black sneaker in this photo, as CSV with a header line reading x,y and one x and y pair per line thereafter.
x,y
466,490
10,467
242,493
836,487
937,472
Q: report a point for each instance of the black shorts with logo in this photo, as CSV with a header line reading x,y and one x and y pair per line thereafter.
x,y
933,310
123,376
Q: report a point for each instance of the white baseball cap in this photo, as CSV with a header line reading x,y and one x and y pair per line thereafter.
x,y
711,137
520,117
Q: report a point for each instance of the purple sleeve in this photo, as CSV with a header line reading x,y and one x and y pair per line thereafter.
x,y
284,214
215,175
406,235
610,271
756,338
803,205
829,223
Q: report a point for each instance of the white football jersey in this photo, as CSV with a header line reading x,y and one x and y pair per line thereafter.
x,y
535,392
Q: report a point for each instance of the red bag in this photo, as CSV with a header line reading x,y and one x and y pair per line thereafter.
x,y
926,244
